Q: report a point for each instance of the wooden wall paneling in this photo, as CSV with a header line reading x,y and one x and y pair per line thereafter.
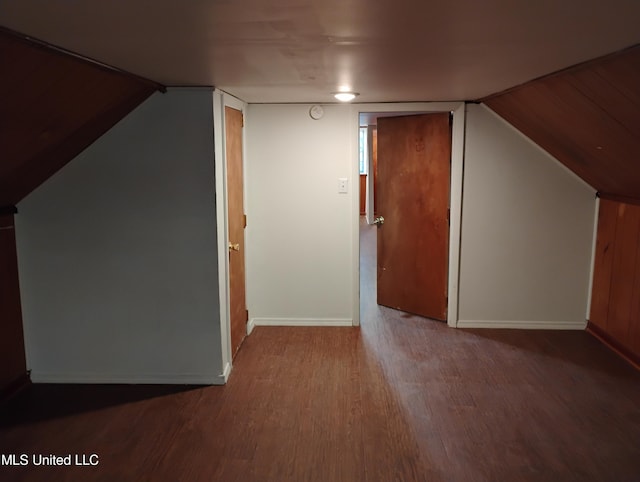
x,y
602,144
562,106
26,64
36,121
522,108
620,108
576,131
13,366
615,306
624,273
40,126
623,72
53,106
588,117
634,325
24,178
32,100
605,249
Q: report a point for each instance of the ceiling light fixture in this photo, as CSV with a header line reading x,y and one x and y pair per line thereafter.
x,y
345,96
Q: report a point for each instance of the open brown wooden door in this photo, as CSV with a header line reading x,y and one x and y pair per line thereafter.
x,y
236,223
414,169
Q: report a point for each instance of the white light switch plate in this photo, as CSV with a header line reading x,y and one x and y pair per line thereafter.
x,y
343,185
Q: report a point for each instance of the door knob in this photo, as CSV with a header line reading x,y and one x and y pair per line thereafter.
x,y
234,247
379,221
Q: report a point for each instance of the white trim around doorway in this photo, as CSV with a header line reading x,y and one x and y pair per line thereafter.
x,y
457,173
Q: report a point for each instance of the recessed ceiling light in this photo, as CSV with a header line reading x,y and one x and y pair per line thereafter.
x,y
345,96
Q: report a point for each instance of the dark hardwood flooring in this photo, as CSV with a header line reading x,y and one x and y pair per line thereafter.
x,y
400,399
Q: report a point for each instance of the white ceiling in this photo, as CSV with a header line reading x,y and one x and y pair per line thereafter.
x,y
302,50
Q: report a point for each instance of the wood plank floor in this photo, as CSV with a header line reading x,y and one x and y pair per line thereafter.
x,y
400,399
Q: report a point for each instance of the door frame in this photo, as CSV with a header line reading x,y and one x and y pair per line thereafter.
x,y
370,201
221,100
458,109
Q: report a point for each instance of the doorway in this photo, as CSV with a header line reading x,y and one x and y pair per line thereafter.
x,y
230,200
368,235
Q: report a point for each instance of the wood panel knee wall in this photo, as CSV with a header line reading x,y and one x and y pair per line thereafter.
x,y
615,303
13,369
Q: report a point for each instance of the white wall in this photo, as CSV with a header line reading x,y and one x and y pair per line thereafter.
x,y
117,253
527,229
299,258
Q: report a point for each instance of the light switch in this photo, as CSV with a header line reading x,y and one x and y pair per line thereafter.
x,y
343,185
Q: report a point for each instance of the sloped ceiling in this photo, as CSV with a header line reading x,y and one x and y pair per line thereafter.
x,y
413,50
302,50
588,117
53,105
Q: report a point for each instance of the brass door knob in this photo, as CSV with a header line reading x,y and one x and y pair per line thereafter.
x,y
379,221
234,247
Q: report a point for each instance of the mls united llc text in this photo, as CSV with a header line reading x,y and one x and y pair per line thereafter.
x,y
39,459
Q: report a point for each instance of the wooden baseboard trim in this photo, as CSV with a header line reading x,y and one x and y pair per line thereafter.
x,y
614,345
15,387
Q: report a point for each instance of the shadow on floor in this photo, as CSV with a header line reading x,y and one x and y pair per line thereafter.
x,y
40,402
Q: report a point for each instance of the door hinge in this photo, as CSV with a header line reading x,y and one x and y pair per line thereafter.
x,y
242,117
246,316
449,216
244,220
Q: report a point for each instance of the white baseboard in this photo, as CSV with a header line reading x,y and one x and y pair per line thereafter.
x,y
129,379
301,322
250,326
225,374
523,325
